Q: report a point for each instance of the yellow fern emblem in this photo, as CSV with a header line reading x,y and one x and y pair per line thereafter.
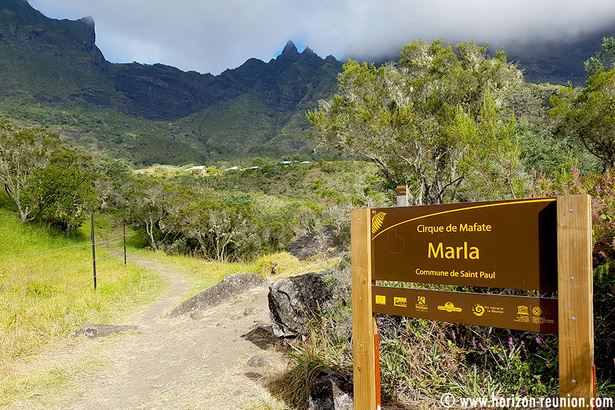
x,y
377,221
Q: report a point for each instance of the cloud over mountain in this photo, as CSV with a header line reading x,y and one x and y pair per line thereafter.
x,y
210,36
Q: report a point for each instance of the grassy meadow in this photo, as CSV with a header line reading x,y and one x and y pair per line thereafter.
x,y
46,292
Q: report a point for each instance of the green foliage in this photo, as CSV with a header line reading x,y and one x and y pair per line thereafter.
x,y
417,119
241,214
495,170
44,178
588,115
601,187
63,192
602,61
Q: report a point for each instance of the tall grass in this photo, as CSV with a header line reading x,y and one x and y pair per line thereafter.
x,y
203,273
46,288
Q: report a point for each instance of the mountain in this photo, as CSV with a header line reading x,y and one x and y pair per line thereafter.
x,y
154,113
52,74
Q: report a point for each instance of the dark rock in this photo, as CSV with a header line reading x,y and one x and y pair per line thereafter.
x,y
293,302
312,244
331,390
230,286
262,336
97,330
257,361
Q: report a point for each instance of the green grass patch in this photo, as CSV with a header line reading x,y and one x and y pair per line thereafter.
x,y
46,290
203,274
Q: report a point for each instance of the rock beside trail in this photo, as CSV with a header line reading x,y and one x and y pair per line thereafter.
x,y
331,390
222,291
312,244
293,301
100,330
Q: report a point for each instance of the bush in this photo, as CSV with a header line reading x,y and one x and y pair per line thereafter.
x,y
601,188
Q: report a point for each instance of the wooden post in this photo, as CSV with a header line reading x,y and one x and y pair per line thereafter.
x,y
363,334
402,195
124,226
93,251
575,298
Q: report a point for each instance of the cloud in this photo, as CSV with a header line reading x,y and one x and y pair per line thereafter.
x,y
210,36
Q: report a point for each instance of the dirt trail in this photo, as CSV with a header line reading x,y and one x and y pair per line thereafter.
x,y
180,363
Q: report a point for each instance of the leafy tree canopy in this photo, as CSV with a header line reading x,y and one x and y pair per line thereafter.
x,y
431,120
44,178
589,114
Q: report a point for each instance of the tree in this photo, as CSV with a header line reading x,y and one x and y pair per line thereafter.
x,y
602,61
63,192
144,202
589,114
406,117
22,151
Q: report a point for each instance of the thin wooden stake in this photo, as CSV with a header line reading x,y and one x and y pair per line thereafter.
x,y
124,225
93,251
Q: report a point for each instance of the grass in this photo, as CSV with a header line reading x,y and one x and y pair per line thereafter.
x,y
202,273
46,283
46,292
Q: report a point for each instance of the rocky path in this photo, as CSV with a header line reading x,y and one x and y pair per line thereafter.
x,y
183,363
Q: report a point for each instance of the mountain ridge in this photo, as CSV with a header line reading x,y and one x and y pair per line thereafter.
x,y
54,67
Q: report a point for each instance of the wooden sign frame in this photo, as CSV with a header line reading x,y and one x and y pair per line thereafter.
x,y
575,304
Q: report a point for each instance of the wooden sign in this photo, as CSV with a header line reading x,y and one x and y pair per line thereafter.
x,y
540,244
510,245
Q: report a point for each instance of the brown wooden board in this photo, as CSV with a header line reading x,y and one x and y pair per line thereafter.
x,y
504,311
503,244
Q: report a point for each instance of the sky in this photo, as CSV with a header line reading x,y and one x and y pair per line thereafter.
x,y
210,36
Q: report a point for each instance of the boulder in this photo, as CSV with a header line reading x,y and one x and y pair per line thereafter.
x,y
222,291
331,390
100,330
293,301
312,244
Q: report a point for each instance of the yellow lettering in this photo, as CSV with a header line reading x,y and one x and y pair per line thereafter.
x,y
450,252
435,252
475,227
474,253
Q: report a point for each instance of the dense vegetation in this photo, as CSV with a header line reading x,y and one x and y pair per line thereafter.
x,y
452,124
443,123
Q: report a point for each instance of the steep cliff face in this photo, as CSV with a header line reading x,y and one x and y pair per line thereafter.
x,y
257,108
23,27
165,93
45,57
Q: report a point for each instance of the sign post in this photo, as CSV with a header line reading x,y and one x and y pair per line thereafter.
x,y
363,322
575,298
533,244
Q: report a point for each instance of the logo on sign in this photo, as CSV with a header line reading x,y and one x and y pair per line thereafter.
x,y
400,302
377,221
449,307
478,310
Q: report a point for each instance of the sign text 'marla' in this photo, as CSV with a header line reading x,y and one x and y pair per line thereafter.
x,y
506,244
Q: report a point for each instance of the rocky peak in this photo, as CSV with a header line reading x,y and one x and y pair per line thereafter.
x,y
289,49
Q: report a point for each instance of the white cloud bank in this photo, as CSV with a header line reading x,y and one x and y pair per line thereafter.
x,y
210,36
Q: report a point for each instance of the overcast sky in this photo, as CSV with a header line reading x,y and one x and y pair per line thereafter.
x,y
210,36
